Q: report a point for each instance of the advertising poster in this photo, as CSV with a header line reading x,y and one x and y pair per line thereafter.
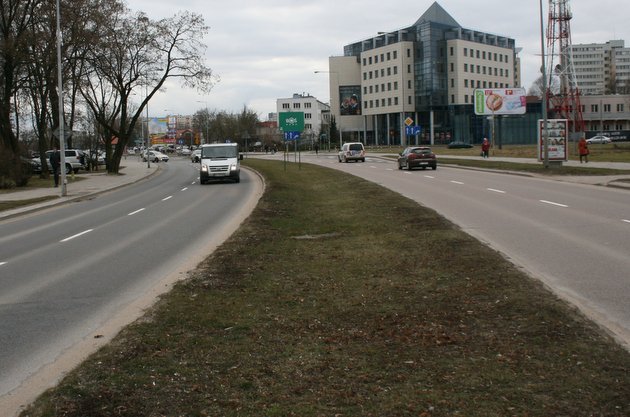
x,y
558,135
350,99
500,101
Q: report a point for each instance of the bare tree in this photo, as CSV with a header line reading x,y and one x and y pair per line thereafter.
x,y
137,54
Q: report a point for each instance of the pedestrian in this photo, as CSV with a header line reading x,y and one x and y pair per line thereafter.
x,y
485,148
316,148
583,150
55,162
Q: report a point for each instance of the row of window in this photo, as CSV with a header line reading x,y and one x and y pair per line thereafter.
x,y
490,56
606,108
480,84
384,56
384,102
296,105
375,74
379,88
498,72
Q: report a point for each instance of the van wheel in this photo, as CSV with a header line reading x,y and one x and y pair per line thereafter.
x,y
68,168
238,179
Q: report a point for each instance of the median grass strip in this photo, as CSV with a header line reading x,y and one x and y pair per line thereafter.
x,y
339,297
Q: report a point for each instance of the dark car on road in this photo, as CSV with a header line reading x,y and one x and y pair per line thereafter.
x,y
457,144
417,157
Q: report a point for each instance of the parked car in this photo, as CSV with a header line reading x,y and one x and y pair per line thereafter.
x,y
352,151
457,144
185,152
417,157
155,156
599,139
196,155
75,159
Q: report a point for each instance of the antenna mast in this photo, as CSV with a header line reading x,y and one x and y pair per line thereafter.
x,y
563,95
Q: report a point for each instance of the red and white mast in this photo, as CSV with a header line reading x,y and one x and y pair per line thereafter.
x,y
563,95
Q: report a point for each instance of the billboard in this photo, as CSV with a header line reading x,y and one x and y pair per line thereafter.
x,y
291,121
557,149
350,100
500,101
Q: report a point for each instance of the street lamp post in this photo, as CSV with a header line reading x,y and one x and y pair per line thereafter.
x,y
544,92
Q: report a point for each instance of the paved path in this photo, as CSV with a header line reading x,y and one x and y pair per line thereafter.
x,y
88,183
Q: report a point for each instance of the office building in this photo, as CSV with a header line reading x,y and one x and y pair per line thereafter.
x,y
316,120
602,68
426,73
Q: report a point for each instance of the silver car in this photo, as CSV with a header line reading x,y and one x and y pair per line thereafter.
x,y
599,139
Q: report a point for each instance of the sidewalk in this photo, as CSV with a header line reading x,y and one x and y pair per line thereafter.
x,y
132,170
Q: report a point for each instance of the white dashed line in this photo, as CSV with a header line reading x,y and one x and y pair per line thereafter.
x,y
627,221
494,190
457,182
75,236
167,198
553,204
2,263
135,212
428,176
184,189
372,166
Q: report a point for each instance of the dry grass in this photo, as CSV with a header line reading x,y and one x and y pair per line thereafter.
x,y
341,298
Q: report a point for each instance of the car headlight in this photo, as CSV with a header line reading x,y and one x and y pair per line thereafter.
x,y
233,167
204,167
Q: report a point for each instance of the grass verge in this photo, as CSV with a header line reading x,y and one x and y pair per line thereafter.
x,y
339,297
13,204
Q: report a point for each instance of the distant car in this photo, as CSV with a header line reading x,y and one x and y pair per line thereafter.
x,y
185,152
417,157
456,144
196,155
599,139
155,156
352,151
74,158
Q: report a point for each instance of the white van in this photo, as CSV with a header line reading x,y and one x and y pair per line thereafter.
x,y
220,161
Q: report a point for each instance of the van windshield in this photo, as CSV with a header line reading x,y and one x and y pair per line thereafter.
x,y
356,147
219,152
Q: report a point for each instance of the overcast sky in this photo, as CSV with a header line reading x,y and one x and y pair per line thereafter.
x,y
268,49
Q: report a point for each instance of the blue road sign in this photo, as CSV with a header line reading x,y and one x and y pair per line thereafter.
x,y
412,130
291,136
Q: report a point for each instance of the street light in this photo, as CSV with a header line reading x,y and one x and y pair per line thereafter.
x,y
544,98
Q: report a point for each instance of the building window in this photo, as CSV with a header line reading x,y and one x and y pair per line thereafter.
x,y
395,85
495,57
409,84
594,108
452,98
484,54
396,101
364,61
364,76
389,71
382,57
376,88
296,105
465,67
382,72
408,68
370,75
389,101
452,82
451,50
395,54
389,86
307,115
408,53
466,99
389,56
307,105
619,109
607,108
478,68
409,100
395,70
376,59
466,83
370,60
285,105
477,53
452,67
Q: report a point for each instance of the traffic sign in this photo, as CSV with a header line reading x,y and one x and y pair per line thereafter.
x,y
291,121
288,136
408,121
413,130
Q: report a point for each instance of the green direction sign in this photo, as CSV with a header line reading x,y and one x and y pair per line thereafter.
x,y
291,121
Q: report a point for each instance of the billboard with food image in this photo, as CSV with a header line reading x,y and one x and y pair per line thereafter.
x,y
499,101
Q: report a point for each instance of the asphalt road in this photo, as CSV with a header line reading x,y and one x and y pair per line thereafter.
x,y
72,275
573,237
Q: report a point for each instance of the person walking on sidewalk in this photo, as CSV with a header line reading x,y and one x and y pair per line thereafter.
x,y
583,150
55,162
485,148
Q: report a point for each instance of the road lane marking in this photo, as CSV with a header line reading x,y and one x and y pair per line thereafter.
x,y
75,236
627,221
389,169
167,198
553,204
494,190
428,176
184,189
2,263
135,212
457,182
372,166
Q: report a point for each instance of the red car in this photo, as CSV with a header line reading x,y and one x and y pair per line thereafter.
x,y
417,157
